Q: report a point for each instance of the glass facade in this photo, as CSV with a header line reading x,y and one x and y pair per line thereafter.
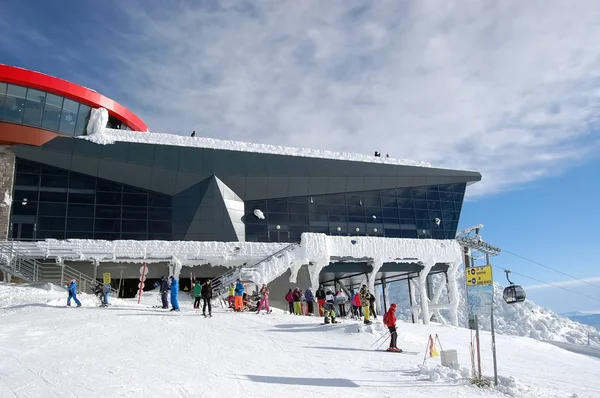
x,y
54,203
31,107
429,212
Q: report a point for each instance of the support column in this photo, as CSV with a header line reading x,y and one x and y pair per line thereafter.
x,y
423,290
385,294
453,292
7,173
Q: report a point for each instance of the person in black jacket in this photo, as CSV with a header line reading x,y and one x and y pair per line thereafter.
x,y
206,296
372,306
320,295
164,291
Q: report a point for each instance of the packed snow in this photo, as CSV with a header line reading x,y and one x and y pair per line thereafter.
x,y
104,136
7,200
131,350
522,319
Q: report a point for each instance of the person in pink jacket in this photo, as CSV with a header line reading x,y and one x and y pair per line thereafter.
x,y
289,297
264,299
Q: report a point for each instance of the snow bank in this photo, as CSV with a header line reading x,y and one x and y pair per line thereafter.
x,y
97,124
110,136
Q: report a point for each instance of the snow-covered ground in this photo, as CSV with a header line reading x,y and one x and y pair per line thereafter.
x,y
131,350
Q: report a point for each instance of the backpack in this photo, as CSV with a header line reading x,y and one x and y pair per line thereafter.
x,y
386,318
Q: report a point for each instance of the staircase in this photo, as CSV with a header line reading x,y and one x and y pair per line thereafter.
x,y
29,269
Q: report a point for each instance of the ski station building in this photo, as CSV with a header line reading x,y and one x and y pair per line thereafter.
x,y
86,190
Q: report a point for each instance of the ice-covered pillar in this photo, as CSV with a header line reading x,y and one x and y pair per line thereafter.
x,y
427,265
294,269
453,292
175,268
314,270
377,263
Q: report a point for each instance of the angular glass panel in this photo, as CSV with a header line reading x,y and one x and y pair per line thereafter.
x,y
406,203
458,188
353,211
49,170
77,210
410,234
19,195
83,116
374,211
353,200
357,219
108,186
389,201
322,199
433,195
422,215
388,192
33,107
390,212
419,194
447,196
80,181
52,110
337,199
68,118
299,219
25,166
434,205
158,200
14,105
319,229
448,206
318,209
405,193
138,236
337,219
392,233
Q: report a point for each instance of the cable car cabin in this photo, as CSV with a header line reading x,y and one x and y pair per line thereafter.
x,y
514,294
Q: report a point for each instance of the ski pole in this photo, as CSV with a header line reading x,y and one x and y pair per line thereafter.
x,y
379,339
382,343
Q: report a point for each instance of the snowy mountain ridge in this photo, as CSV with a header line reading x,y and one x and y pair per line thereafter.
x,y
525,319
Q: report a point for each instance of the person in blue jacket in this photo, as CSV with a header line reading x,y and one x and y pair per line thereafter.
x,y
73,293
174,294
106,291
310,298
239,294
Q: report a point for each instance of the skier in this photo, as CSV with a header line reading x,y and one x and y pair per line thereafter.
x,y
329,307
106,293
164,291
297,297
308,296
206,296
389,320
356,309
197,294
174,294
264,299
372,306
289,297
340,299
320,299
73,293
365,298
230,298
239,294
98,291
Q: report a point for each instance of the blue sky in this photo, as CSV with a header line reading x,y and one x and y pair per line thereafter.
x,y
510,89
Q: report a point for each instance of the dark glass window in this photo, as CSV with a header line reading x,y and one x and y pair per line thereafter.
x,y
83,116
60,197
80,224
41,235
52,109
277,206
339,210
107,226
20,195
108,198
51,223
298,207
49,170
52,209
33,107
158,200
130,199
108,212
2,99
25,208
134,213
107,186
337,199
107,236
68,118
77,210
132,226
160,213
389,201
32,180
81,198
14,105
80,181
159,227
298,219
25,166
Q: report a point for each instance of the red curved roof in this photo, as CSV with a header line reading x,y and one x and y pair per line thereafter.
x,y
54,85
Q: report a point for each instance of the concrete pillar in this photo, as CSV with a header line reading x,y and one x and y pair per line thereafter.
x,y
7,173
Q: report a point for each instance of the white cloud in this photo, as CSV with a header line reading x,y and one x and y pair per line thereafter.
x,y
507,88
573,283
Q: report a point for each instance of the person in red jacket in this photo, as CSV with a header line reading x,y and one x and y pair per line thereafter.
x,y
289,297
389,320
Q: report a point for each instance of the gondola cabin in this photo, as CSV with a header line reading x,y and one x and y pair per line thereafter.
x,y
513,293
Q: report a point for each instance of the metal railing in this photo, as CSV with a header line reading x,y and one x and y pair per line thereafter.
x,y
22,266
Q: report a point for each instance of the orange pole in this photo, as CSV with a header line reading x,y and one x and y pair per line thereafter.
x,y
142,281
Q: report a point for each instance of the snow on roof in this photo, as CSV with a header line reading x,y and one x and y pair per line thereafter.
x,y
110,136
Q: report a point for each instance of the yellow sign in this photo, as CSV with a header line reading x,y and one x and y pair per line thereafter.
x,y
106,277
478,276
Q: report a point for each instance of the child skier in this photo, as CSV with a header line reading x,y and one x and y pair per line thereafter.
x,y
264,299
389,320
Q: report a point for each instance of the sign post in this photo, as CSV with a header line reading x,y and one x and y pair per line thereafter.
x,y
143,272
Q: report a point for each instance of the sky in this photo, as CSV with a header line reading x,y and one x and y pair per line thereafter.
x,y
510,89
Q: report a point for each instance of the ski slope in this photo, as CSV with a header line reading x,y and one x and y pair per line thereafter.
x,y
131,350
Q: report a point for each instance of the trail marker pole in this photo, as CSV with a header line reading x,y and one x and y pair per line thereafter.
x,y
487,260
